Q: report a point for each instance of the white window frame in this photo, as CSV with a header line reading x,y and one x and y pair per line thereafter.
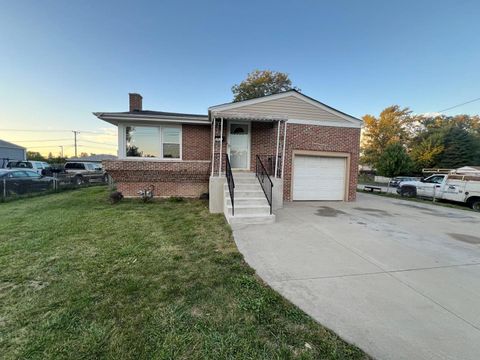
x,y
122,142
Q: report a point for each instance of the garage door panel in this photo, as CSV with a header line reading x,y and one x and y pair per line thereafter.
x,y
319,178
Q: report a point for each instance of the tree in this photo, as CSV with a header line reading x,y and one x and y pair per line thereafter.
x,y
394,161
34,155
425,153
461,149
261,83
394,125
447,141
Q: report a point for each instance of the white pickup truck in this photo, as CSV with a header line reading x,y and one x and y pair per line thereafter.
x,y
459,187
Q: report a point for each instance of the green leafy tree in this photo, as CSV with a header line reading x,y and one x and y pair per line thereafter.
x,y
57,160
447,141
261,83
394,125
461,149
425,151
394,161
36,156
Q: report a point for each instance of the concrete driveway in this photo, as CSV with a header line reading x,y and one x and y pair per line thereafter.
x,y
399,279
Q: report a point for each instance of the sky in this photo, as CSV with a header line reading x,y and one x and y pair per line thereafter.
x,y
62,60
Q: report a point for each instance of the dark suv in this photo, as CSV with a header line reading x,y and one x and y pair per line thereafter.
x,y
85,172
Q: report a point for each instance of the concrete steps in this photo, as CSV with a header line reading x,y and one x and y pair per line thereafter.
x,y
251,206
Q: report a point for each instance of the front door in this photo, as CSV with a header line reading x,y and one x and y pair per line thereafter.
x,y
239,145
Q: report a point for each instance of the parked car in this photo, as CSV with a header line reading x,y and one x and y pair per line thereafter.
x,y
16,181
36,166
397,180
457,187
54,170
85,172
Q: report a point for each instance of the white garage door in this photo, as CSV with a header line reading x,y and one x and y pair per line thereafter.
x,y
319,178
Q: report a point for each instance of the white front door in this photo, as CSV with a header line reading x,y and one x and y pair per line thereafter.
x,y
239,145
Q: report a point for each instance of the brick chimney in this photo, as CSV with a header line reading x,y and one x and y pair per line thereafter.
x,y
135,102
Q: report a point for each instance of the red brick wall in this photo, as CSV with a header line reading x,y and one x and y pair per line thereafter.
x,y
322,138
135,102
263,141
197,142
190,177
170,178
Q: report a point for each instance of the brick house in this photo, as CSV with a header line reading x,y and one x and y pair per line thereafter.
x,y
250,156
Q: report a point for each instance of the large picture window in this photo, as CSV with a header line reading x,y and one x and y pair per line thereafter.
x,y
153,142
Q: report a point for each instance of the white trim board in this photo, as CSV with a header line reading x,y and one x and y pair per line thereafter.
x,y
324,123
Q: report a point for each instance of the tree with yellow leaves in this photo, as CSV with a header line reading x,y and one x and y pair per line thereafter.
x,y
394,126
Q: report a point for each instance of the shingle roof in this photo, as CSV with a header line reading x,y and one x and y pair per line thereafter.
x,y
158,113
7,144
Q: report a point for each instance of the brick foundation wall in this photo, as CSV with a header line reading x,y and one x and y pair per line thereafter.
x,y
322,138
170,178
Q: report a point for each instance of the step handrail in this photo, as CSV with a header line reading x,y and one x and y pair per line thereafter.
x,y
230,182
262,175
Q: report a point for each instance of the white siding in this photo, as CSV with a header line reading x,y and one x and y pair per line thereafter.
x,y
292,107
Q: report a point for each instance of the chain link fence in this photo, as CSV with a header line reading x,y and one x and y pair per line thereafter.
x,y
28,185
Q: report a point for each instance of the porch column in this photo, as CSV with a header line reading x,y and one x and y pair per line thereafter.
x,y
284,142
214,128
221,146
278,144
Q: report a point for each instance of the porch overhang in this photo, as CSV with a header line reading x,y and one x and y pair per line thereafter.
x,y
219,117
239,116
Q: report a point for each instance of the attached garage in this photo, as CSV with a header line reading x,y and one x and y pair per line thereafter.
x,y
320,177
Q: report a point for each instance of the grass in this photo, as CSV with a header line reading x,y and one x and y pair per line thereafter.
x,y
62,188
83,279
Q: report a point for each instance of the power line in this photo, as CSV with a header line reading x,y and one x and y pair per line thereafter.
x,y
56,130
97,142
47,146
21,141
98,147
455,106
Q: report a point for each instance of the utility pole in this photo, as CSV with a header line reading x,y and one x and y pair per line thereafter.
x,y
75,140
61,147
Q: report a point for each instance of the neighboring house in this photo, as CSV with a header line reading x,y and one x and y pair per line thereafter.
x,y
9,151
309,149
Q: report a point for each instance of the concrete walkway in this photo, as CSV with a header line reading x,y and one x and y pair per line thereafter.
x,y
399,279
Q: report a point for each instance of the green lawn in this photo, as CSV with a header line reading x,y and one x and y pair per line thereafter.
x,y
80,278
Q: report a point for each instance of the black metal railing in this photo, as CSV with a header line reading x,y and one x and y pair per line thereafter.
x,y
230,182
264,179
269,162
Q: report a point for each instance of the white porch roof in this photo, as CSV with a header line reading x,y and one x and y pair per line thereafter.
x,y
235,115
